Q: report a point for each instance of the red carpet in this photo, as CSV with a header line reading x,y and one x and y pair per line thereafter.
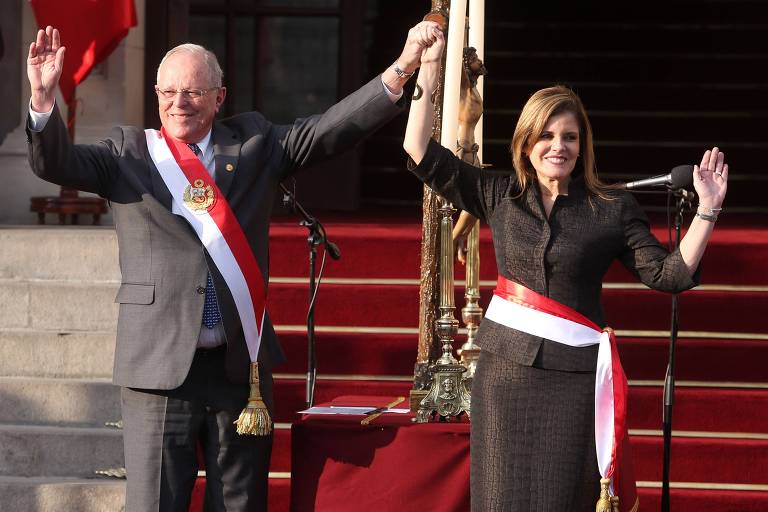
x,y
697,500
738,461
721,407
394,244
730,360
636,309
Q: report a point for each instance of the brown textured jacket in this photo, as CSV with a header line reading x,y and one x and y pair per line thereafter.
x,y
564,257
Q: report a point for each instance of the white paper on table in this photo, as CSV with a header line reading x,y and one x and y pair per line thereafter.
x,y
349,410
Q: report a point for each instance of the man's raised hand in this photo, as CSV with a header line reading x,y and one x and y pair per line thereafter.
x,y
420,39
44,65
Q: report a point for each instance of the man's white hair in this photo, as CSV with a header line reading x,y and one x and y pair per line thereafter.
x,y
214,70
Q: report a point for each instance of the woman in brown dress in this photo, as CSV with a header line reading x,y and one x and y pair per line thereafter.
x,y
556,230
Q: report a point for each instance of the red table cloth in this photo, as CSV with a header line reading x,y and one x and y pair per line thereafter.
x,y
392,464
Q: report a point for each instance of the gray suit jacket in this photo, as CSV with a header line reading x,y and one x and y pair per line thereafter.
x,y
161,259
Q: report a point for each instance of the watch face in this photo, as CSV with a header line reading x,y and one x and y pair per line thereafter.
x,y
402,74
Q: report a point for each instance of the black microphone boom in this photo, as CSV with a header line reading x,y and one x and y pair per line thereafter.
x,y
680,177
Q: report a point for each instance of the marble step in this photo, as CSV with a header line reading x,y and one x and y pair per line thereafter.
x,y
57,252
59,402
57,494
32,353
34,450
58,305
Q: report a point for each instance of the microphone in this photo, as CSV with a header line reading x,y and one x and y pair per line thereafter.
x,y
333,249
680,177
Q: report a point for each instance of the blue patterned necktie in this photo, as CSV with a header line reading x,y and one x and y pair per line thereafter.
x,y
195,149
211,313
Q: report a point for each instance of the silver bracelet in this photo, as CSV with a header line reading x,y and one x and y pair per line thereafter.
x,y
707,213
710,211
708,218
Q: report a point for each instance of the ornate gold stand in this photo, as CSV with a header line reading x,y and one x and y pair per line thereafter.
x,y
472,313
429,348
469,116
448,395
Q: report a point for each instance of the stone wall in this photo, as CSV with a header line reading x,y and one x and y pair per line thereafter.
x,y
111,95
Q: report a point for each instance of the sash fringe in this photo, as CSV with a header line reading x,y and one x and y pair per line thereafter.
x,y
254,419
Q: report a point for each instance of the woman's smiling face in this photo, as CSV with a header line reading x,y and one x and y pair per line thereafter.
x,y
554,154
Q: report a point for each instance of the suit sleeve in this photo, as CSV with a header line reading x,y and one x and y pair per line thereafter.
x,y
312,139
90,168
467,187
644,256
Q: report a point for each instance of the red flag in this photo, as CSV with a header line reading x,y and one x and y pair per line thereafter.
x,y
90,30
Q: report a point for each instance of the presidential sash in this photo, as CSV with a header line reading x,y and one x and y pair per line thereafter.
x,y
520,308
206,209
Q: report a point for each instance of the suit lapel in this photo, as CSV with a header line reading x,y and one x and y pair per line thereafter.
x,y
226,150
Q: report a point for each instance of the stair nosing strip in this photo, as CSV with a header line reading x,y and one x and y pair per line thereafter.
x,y
285,328
635,83
488,283
699,384
639,432
77,281
58,380
340,377
559,54
58,480
747,336
713,486
279,475
639,26
626,333
58,332
58,429
632,382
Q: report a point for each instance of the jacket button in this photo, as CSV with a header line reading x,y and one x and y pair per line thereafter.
x,y
201,290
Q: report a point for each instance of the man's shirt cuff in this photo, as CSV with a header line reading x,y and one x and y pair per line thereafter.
x,y
392,96
38,120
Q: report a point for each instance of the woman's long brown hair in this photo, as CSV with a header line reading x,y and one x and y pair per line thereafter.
x,y
540,107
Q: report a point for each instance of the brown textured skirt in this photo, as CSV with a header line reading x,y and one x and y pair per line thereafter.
x,y
533,438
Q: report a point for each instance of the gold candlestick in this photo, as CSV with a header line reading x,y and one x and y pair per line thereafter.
x,y
429,291
448,395
472,313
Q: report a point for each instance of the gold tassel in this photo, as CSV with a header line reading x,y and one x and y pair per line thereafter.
x,y
604,503
615,503
255,418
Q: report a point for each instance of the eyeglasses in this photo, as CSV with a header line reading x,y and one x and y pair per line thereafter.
x,y
190,94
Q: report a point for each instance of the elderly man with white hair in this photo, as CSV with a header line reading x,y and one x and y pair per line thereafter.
x,y
191,204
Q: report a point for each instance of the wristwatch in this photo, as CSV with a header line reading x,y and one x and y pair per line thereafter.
x,y
399,72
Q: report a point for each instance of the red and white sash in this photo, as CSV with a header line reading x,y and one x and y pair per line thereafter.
x,y
208,212
520,308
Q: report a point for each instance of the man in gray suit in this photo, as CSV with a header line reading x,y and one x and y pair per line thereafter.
x,y
181,357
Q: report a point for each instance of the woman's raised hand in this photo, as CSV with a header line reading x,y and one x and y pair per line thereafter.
x,y
710,178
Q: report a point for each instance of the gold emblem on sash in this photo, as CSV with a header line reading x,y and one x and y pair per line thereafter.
x,y
199,197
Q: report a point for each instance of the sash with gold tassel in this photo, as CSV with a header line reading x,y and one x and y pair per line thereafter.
x,y
206,209
520,308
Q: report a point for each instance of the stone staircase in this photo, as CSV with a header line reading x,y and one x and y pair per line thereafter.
x,y
57,319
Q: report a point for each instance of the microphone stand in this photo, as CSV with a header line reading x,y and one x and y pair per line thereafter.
x,y
317,236
684,201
